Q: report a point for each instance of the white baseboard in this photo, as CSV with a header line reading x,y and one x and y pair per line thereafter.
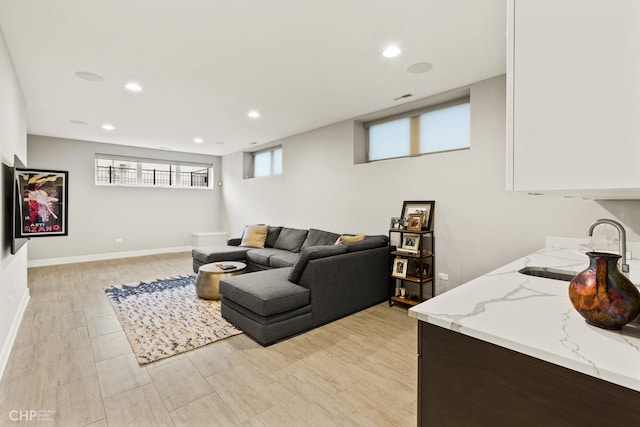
x,y
13,332
104,256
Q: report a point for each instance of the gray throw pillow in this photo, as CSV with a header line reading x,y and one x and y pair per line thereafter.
x,y
290,239
319,238
313,252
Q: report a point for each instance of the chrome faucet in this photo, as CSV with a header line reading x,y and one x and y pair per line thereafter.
x,y
623,240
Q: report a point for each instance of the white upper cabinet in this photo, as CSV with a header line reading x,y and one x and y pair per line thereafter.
x,y
573,97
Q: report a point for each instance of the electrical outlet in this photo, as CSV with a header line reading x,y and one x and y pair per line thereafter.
x,y
119,240
443,276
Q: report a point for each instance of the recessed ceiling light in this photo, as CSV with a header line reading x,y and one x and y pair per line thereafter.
x,y
78,122
253,143
253,114
133,87
108,126
92,77
391,52
419,67
198,140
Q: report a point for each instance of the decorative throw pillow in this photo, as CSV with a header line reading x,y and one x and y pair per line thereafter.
x,y
254,236
349,239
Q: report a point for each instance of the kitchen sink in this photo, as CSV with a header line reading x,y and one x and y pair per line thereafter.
x,y
548,273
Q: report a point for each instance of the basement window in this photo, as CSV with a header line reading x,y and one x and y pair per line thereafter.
x,y
266,162
444,127
139,172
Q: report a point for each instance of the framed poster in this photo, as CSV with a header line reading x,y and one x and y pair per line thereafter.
x,y
43,207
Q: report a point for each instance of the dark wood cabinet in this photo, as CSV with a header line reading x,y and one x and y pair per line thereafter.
x,y
463,381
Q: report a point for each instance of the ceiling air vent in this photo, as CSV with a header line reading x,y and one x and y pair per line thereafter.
x,y
406,95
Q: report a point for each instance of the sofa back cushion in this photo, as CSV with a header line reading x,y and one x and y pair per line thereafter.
x,y
319,238
313,252
290,239
272,236
254,236
369,242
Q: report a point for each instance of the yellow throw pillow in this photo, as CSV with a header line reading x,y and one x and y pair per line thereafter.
x,y
349,239
254,236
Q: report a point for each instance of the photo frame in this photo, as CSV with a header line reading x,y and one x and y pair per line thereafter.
x,y
425,208
415,222
411,242
43,202
396,223
414,269
399,268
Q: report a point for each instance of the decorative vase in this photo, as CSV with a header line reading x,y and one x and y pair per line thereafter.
x,y
603,295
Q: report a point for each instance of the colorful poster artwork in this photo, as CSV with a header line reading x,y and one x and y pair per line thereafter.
x,y
43,208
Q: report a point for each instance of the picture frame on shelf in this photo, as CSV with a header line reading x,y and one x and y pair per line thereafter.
x,y
414,269
411,242
424,208
396,223
415,222
399,268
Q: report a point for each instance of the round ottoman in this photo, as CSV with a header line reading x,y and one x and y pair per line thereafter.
x,y
209,275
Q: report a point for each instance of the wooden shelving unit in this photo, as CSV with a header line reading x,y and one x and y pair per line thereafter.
x,y
418,282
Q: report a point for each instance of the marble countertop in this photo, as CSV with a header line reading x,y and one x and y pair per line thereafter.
x,y
533,316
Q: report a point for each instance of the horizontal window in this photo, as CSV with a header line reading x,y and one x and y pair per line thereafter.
x,y
435,129
266,162
112,170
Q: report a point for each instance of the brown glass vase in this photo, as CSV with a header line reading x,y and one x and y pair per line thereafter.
x,y
603,295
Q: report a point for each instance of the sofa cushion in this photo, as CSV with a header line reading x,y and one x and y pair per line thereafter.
x,y
313,252
254,236
211,254
262,256
265,292
272,236
319,238
369,242
267,329
265,320
285,259
290,239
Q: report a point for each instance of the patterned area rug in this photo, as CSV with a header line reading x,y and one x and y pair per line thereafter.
x,y
166,317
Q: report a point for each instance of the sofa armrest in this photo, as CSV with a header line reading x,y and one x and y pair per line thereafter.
x,y
313,252
343,284
235,241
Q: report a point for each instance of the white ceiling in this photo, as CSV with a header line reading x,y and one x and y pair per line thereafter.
x,y
204,64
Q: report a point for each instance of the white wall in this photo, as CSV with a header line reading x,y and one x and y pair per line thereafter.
x,y
145,218
14,293
478,225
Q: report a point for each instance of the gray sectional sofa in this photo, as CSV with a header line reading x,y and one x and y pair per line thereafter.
x,y
301,279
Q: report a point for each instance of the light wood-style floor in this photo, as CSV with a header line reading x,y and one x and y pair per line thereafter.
x,y
73,366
